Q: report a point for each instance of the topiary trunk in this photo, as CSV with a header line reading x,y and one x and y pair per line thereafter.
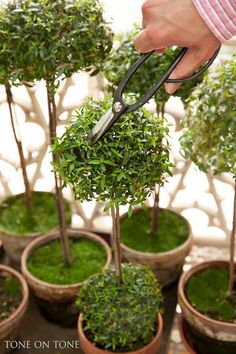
x,y
232,249
58,188
27,193
155,213
160,109
115,241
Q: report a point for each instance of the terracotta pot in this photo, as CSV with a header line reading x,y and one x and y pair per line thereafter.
x,y
218,330
151,348
57,302
167,266
9,326
183,335
14,244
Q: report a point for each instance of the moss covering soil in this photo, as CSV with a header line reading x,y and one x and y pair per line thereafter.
x,y
206,291
46,262
10,296
173,230
15,218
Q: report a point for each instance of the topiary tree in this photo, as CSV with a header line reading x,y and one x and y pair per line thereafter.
x,y
209,133
51,40
111,313
121,59
6,69
121,169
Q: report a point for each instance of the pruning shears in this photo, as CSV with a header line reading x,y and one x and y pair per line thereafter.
x,y
119,107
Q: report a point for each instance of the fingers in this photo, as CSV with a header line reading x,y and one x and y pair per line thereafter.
x,y
150,38
187,66
160,50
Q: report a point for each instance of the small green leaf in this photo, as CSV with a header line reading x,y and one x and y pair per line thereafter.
x,y
130,211
102,184
107,206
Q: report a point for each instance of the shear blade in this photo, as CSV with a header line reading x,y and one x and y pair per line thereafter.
x,y
101,127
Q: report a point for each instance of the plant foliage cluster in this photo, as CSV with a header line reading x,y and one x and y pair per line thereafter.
x,y
45,39
129,310
124,166
209,127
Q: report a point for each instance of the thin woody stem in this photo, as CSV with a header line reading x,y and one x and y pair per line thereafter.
x,y
27,194
232,249
59,196
155,212
116,241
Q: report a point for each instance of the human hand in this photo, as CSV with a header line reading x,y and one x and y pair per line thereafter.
x,y
168,23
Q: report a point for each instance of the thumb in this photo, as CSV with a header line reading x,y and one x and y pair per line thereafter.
x,y
187,66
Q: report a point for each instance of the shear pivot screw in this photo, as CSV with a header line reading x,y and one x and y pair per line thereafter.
x,y
117,107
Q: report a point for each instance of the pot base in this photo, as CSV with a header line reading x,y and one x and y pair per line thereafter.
x,y
197,343
64,314
151,348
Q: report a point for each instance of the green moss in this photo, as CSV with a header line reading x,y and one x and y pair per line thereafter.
x,y
11,286
206,291
15,218
10,295
173,231
46,262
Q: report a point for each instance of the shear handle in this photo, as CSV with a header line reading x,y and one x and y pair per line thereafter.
x,y
197,73
154,88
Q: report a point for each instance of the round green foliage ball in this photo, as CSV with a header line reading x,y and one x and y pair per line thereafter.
x,y
121,318
124,166
209,135
45,39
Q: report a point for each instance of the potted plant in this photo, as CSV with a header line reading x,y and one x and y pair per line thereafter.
x,y
121,169
56,40
207,291
14,298
120,318
25,216
163,238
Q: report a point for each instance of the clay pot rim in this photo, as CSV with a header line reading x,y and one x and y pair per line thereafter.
x,y
30,234
26,236
181,293
185,244
156,338
50,236
24,291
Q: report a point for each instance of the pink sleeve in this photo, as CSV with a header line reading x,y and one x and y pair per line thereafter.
x,y
219,15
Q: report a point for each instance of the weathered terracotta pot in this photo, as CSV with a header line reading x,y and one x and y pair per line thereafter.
x,y
151,348
9,326
57,302
14,244
183,336
218,330
167,266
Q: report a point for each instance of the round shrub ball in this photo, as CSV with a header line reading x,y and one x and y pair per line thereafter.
x,y
124,166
